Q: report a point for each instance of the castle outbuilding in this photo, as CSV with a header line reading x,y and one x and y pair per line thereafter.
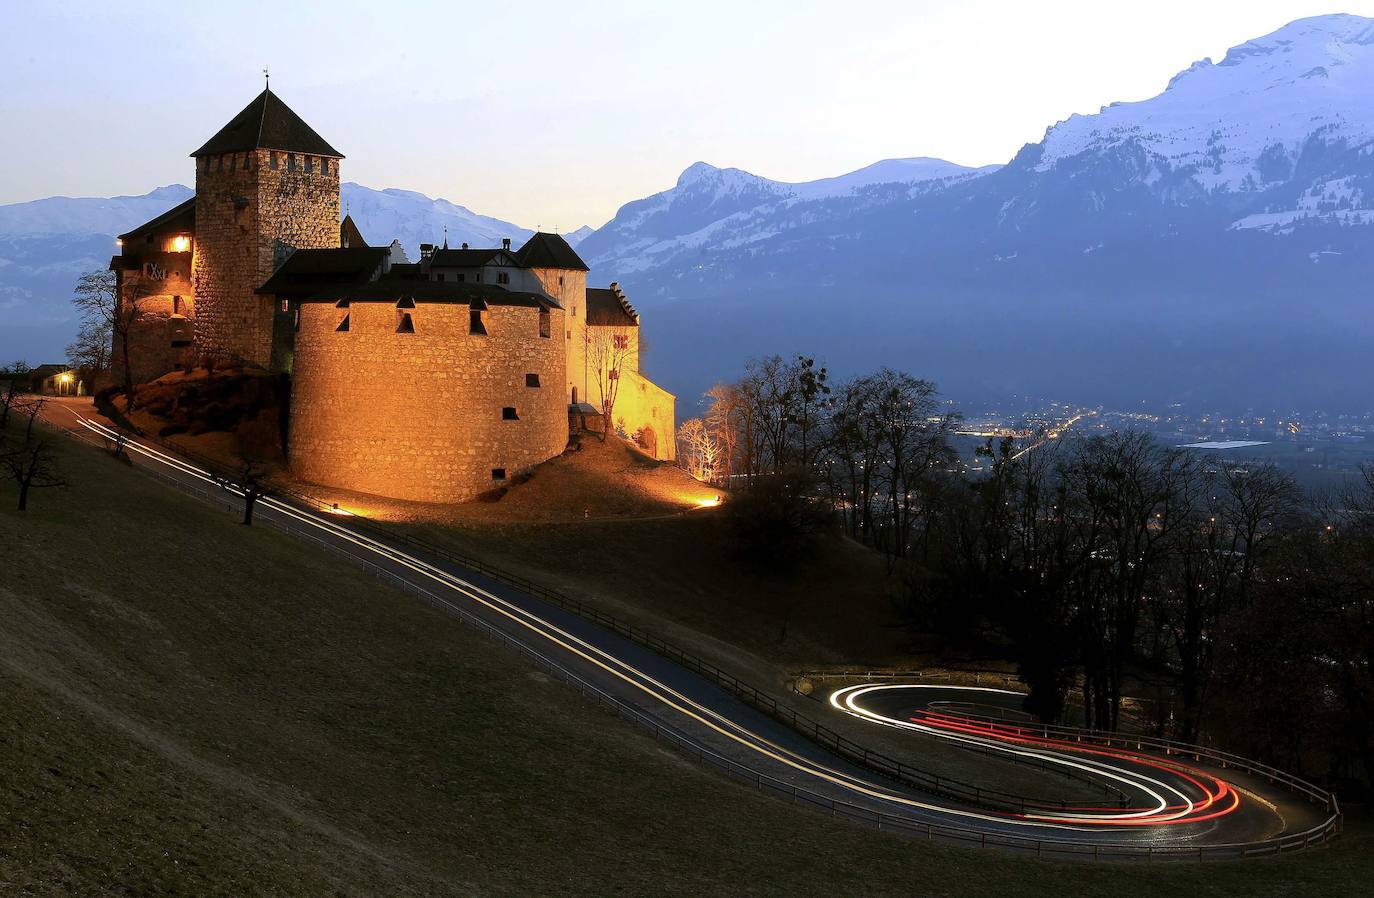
x,y
432,380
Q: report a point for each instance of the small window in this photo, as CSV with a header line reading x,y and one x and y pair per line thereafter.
x,y
475,325
531,380
176,305
343,323
560,280
503,277
404,323
479,277
498,473
285,304
508,414
462,278
290,161
324,166
439,276
272,161
544,322
309,164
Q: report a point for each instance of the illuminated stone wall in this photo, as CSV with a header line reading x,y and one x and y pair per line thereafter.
x,y
570,289
252,209
161,284
641,403
419,416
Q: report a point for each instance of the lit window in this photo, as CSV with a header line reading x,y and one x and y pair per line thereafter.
x,y
508,414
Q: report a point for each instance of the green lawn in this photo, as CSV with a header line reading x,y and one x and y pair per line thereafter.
x,y
191,707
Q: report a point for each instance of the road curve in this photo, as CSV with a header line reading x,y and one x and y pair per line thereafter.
x,y
1174,803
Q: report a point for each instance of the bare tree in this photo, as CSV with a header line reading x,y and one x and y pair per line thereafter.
x,y
10,394
33,466
90,352
698,450
609,350
100,301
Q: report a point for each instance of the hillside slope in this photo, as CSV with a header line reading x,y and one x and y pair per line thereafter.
x,y
195,707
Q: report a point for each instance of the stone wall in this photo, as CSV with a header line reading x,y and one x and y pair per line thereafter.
x,y
569,287
419,416
252,209
162,286
642,404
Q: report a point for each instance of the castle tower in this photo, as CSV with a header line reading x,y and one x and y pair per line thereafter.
x,y
563,275
266,184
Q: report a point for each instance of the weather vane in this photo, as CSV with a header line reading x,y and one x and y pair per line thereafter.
x,y
266,78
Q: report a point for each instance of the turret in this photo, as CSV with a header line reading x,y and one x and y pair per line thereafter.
x,y
266,185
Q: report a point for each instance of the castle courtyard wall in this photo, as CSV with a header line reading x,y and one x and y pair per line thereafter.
x,y
419,415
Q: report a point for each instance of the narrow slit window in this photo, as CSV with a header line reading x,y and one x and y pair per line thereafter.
x,y
531,380
508,414
404,323
272,161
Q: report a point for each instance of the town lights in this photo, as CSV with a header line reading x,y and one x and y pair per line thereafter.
x,y
181,243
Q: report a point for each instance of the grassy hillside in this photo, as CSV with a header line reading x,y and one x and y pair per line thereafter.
x,y
191,707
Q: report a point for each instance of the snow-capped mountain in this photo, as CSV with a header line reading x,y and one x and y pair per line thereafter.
x,y
713,208
413,218
1173,247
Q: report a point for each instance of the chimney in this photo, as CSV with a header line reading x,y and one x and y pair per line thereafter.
x,y
505,244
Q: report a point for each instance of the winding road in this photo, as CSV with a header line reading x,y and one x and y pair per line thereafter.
x,y
1174,809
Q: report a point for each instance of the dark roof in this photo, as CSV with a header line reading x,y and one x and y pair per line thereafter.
x,y
395,290
124,263
181,217
404,271
609,308
549,251
307,270
349,235
267,123
46,371
463,258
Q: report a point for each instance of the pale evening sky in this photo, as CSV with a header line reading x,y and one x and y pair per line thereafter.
x,y
554,114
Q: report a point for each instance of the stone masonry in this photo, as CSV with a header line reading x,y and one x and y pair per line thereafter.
x,y
252,209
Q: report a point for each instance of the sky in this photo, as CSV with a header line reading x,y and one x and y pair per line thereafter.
x,y
554,114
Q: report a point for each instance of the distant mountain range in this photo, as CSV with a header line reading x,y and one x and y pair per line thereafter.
x,y
1211,245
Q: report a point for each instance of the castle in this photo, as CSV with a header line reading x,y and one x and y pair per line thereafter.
x,y
433,380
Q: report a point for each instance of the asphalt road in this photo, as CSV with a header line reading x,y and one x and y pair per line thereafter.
x,y
689,710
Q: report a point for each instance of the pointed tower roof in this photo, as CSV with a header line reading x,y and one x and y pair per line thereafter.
x,y
268,123
349,235
550,251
